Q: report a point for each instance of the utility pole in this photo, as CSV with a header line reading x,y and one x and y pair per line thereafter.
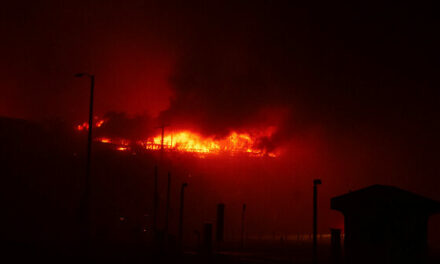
x,y
182,196
86,199
316,182
167,212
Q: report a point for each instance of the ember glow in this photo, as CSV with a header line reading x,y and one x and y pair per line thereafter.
x,y
104,140
235,143
85,125
122,148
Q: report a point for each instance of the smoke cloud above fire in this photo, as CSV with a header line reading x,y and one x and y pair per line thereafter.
x,y
249,65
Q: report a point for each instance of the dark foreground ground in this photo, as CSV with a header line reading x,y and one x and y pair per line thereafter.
x,y
254,252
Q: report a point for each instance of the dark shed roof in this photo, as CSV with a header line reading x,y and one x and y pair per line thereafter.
x,y
382,196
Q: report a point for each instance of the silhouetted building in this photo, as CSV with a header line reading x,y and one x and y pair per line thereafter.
x,y
384,224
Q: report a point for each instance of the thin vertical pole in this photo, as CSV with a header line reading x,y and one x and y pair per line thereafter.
x,y
155,200
182,196
243,211
89,138
162,127
220,225
162,136
171,141
167,212
88,181
315,219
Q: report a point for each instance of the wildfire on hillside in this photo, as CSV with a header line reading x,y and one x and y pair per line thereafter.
x,y
235,143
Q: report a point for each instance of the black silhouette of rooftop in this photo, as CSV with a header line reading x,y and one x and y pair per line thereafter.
x,y
384,224
383,196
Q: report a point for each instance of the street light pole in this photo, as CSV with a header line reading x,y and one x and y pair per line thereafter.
x,y
86,199
89,137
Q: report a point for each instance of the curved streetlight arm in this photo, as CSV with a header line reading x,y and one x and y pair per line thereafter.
x,y
81,74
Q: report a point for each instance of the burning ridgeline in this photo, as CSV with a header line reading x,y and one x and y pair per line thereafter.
x,y
185,141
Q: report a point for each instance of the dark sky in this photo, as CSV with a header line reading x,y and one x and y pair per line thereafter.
x,y
363,78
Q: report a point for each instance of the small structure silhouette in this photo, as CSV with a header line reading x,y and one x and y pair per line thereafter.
x,y
384,224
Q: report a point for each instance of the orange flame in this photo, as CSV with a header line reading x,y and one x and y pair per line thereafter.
x,y
188,141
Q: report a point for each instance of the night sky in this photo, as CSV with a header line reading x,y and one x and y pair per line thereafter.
x,y
353,90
